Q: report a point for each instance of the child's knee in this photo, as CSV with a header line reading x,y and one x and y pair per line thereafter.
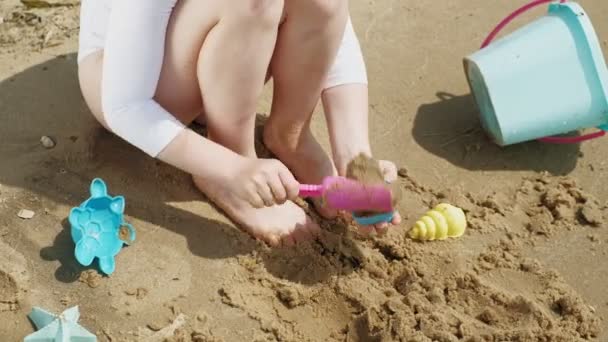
x,y
265,13
328,9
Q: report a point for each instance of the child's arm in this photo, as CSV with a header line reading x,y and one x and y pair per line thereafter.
x,y
346,112
132,62
133,59
345,102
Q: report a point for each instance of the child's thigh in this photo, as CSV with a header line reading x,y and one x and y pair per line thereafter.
x,y
178,96
89,76
178,90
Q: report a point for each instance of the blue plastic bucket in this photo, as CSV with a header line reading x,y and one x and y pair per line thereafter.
x,y
547,78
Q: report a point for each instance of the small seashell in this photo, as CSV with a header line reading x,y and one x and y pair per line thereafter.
x,y
441,222
48,37
25,214
47,142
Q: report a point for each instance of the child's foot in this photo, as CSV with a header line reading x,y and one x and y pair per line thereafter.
x,y
285,224
303,155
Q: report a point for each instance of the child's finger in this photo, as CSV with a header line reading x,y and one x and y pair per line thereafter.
x,y
389,170
278,189
266,194
291,185
396,218
255,200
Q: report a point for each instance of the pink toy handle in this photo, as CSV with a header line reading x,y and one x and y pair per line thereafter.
x,y
346,194
311,190
513,16
494,33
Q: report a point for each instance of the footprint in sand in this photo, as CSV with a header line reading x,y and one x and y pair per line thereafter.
x,y
14,279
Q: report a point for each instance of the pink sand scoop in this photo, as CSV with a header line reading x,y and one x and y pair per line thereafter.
x,y
346,194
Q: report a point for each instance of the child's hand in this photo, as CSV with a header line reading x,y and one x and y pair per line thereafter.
x,y
389,170
265,182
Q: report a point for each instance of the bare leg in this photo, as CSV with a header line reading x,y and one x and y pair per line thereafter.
x,y
307,45
232,70
210,50
350,136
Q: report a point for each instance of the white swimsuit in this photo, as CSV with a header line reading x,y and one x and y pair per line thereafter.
x,y
132,35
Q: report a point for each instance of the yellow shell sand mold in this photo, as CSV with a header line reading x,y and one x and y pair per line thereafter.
x,y
443,221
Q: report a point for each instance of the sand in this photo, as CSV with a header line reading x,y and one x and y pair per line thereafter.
x,y
367,171
530,266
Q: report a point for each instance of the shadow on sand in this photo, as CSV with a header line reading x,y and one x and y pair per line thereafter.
x,y
45,99
450,129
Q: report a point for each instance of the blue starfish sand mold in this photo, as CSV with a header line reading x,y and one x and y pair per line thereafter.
x,y
58,328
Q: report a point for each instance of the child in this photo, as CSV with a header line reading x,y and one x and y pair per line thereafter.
x,y
148,68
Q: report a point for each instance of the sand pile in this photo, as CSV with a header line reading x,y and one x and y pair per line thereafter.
x,y
558,204
394,289
389,288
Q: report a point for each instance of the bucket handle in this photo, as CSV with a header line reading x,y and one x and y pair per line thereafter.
x,y
494,33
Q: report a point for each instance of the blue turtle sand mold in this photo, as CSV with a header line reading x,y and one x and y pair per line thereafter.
x,y
98,228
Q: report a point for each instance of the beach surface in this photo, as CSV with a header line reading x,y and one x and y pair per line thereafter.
x,y
530,266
